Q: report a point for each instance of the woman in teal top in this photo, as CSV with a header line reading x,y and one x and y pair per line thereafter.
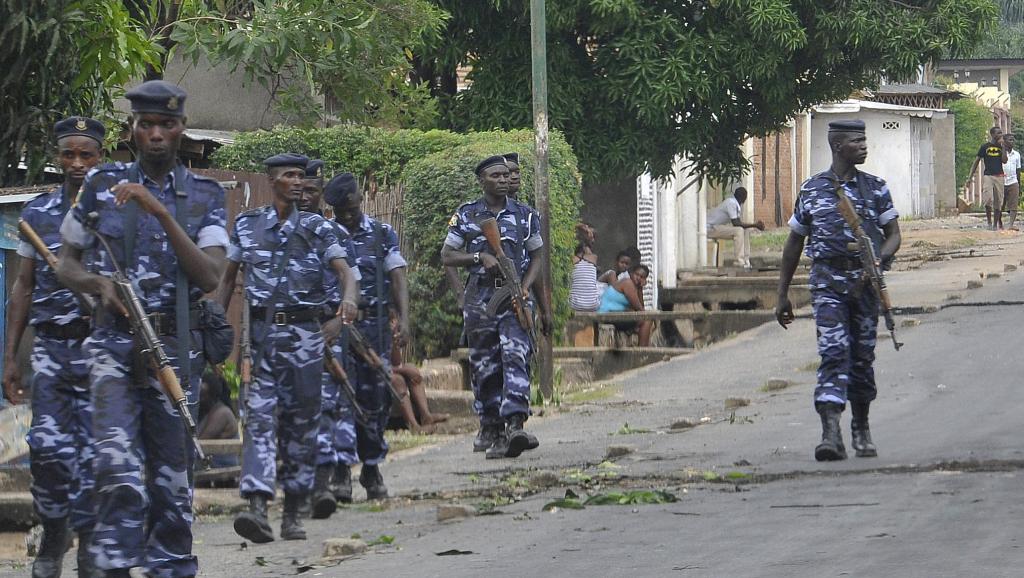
x,y
628,295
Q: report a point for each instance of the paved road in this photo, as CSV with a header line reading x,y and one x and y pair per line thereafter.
x,y
943,498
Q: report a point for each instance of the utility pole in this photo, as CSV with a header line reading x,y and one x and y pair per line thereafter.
x,y
538,41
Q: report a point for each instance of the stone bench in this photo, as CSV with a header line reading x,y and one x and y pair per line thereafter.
x,y
698,327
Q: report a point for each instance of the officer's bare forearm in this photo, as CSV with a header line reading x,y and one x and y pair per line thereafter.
x,y
72,274
790,260
451,257
530,277
893,240
400,292
226,288
203,267
349,286
17,308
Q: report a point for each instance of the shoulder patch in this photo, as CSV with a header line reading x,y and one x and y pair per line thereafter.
x,y
454,220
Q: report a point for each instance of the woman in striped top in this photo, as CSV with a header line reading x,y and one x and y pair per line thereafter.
x,y
584,292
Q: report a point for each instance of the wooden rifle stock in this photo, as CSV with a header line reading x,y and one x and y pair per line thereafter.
x,y
87,302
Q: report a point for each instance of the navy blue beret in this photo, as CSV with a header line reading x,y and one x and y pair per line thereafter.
x,y
511,157
314,169
157,96
80,126
338,190
287,160
488,162
854,125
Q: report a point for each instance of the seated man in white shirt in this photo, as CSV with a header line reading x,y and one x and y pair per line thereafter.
x,y
724,223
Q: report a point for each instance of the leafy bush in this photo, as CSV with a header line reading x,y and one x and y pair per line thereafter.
x,y
436,171
971,122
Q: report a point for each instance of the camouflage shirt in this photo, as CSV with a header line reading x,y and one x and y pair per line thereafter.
x,y
153,269
258,241
331,282
365,243
518,224
51,301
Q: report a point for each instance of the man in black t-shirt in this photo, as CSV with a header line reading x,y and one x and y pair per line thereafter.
x,y
994,154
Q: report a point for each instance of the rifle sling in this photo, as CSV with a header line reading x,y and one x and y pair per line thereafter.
x,y
277,271
378,240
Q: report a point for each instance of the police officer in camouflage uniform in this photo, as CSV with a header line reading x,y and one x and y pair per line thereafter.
x,y
166,226
285,252
499,347
60,449
845,306
336,438
382,286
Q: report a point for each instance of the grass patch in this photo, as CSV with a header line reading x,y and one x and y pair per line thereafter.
x,y
592,394
809,366
626,430
772,240
402,439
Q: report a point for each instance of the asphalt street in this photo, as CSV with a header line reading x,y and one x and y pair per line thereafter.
x,y
942,499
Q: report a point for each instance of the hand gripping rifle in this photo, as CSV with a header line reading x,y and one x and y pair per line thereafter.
x,y
340,377
86,302
872,267
358,344
151,348
512,288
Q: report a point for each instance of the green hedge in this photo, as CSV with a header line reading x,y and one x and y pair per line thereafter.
x,y
436,171
971,122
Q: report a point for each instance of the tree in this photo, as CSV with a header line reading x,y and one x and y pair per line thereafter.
x,y
635,82
60,58
358,52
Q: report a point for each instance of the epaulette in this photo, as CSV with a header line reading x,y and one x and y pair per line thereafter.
x,y
251,212
36,200
116,166
464,205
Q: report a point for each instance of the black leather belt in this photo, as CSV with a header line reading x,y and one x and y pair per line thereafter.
x,y
487,281
78,329
290,317
163,323
841,263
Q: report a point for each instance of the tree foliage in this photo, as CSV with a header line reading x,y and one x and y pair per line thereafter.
x,y
60,58
357,51
971,122
634,82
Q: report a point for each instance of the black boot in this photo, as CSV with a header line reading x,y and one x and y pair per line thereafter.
x,y
499,448
831,447
324,502
253,525
50,559
86,563
862,444
291,524
341,485
371,479
486,437
518,440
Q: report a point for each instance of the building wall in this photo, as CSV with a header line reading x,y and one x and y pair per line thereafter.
x,y
943,147
611,209
775,177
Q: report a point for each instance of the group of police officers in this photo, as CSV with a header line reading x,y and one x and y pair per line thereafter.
x,y
110,458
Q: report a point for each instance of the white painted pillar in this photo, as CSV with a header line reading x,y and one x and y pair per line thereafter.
x,y
668,232
748,183
702,223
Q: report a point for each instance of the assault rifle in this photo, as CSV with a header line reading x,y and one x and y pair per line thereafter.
x,y
151,347
357,342
512,288
341,378
245,354
86,302
872,268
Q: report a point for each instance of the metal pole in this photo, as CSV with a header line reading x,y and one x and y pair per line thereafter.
x,y
538,41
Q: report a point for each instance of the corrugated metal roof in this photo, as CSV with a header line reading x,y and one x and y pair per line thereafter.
x,y
912,89
854,106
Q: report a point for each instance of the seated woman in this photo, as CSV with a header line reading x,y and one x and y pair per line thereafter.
x,y
216,420
584,293
408,382
628,295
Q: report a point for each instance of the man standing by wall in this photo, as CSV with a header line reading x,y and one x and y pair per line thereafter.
x,y
1011,183
994,154
724,223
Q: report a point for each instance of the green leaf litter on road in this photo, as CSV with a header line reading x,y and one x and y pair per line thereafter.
x,y
633,497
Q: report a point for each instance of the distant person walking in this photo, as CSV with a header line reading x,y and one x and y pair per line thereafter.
x,y
1011,184
724,223
994,154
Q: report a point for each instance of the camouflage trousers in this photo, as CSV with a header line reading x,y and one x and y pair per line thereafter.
x,y
282,409
847,325
499,358
143,460
59,440
336,438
